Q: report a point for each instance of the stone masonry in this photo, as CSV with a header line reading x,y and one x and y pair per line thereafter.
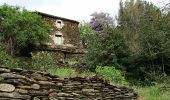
x,y
19,84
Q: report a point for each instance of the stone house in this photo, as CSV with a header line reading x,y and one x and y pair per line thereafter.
x,y
64,38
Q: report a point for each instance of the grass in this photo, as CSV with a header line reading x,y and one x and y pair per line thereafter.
x,y
86,73
156,92
69,72
62,72
71,62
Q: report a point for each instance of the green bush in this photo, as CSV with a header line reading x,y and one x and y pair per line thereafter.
x,y
21,28
62,72
105,49
7,60
111,74
42,60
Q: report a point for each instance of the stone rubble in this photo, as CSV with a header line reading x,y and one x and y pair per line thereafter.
x,y
20,84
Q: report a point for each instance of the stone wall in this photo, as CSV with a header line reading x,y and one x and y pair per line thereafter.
x,y
18,84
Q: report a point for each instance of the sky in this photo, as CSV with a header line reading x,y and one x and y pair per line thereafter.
x,y
79,10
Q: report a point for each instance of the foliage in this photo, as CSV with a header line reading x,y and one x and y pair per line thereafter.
x,y
140,44
130,13
157,92
7,60
111,74
62,72
71,63
146,30
166,5
20,28
86,33
101,21
86,74
69,72
108,50
42,60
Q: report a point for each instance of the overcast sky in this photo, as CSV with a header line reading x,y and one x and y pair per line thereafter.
x,y
73,9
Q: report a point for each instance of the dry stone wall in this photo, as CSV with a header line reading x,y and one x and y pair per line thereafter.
x,y
19,84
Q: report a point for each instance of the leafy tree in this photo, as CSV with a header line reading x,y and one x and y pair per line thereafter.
x,y
144,24
128,20
21,28
166,5
108,51
86,32
101,21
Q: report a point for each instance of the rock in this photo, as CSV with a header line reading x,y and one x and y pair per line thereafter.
x,y
54,90
74,83
15,81
17,70
97,84
7,87
2,70
21,84
39,77
24,87
36,98
1,78
87,90
75,94
15,95
46,83
11,75
59,79
59,84
117,89
37,92
30,80
61,94
52,98
35,86
2,98
21,91
54,94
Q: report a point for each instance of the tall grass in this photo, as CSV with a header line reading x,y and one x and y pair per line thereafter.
x,y
62,72
7,60
159,91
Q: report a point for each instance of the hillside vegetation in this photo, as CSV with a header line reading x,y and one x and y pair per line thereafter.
x,y
134,53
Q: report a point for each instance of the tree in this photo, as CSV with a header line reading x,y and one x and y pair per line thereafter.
x,y
108,51
165,5
128,20
86,32
144,24
101,21
21,28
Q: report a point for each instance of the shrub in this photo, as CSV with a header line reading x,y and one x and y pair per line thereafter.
x,y
106,49
111,74
42,60
20,28
7,60
62,72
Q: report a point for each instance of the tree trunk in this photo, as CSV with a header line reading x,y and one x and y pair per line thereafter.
x,y
10,46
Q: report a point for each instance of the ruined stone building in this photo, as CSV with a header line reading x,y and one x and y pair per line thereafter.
x,y
64,38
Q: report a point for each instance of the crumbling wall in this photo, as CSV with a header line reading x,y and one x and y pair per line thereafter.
x,y
19,84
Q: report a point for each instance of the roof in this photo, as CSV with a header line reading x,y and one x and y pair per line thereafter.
x,y
53,16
